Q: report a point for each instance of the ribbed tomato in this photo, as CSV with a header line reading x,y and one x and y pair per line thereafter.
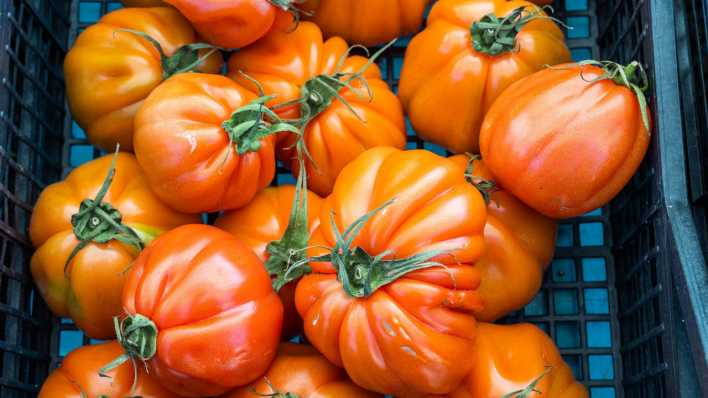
x,y
470,51
300,65
394,301
576,158
109,70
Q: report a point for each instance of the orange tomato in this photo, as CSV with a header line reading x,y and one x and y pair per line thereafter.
x,y
236,23
78,376
367,22
399,324
190,139
109,71
88,289
509,358
577,158
334,135
301,371
143,3
201,312
519,246
264,221
455,68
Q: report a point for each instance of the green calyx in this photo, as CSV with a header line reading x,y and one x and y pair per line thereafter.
x,y
99,222
185,59
362,274
632,76
274,393
493,36
287,259
485,187
137,335
318,93
251,123
531,388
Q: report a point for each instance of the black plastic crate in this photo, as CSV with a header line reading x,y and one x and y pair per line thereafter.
x,y
624,298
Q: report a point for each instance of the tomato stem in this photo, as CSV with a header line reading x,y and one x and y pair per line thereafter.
x,y
362,274
274,391
97,221
484,186
531,388
185,59
494,36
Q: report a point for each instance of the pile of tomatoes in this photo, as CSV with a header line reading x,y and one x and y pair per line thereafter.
x,y
389,265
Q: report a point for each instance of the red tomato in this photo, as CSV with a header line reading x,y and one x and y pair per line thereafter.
x,y
201,312
576,158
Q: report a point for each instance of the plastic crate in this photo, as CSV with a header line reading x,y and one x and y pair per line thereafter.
x,y
625,298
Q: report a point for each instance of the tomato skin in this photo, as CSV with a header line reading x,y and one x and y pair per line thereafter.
x,y
109,73
336,136
519,246
509,357
299,369
182,145
217,316
415,335
367,22
233,24
143,3
264,220
79,373
90,291
447,86
572,160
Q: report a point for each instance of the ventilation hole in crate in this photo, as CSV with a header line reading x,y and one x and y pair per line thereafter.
x,y
594,269
601,367
543,326
77,132
538,306
602,392
596,301
80,154
89,12
70,340
114,6
599,334
592,234
576,365
576,5
580,27
568,335
581,54
565,302
565,235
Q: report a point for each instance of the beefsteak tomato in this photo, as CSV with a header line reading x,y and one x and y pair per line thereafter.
x,y
470,51
115,63
206,143
519,246
201,312
263,223
367,22
237,23
577,158
394,301
78,377
343,106
143,3
510,360
84,245
300,371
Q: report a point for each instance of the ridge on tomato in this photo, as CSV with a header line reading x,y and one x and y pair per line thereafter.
x,y
115,63
200,312
339,101
300,371
393,300
206,142
87,229
469,52
577,158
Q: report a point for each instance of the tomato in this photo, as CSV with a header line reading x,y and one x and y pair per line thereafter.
x,y
143,3
206,143
367,22
301,371
519,246
401,324
577,158
201,312
236,24
510,358
109,72
264,221
79,374
334,135
454,69
88,288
